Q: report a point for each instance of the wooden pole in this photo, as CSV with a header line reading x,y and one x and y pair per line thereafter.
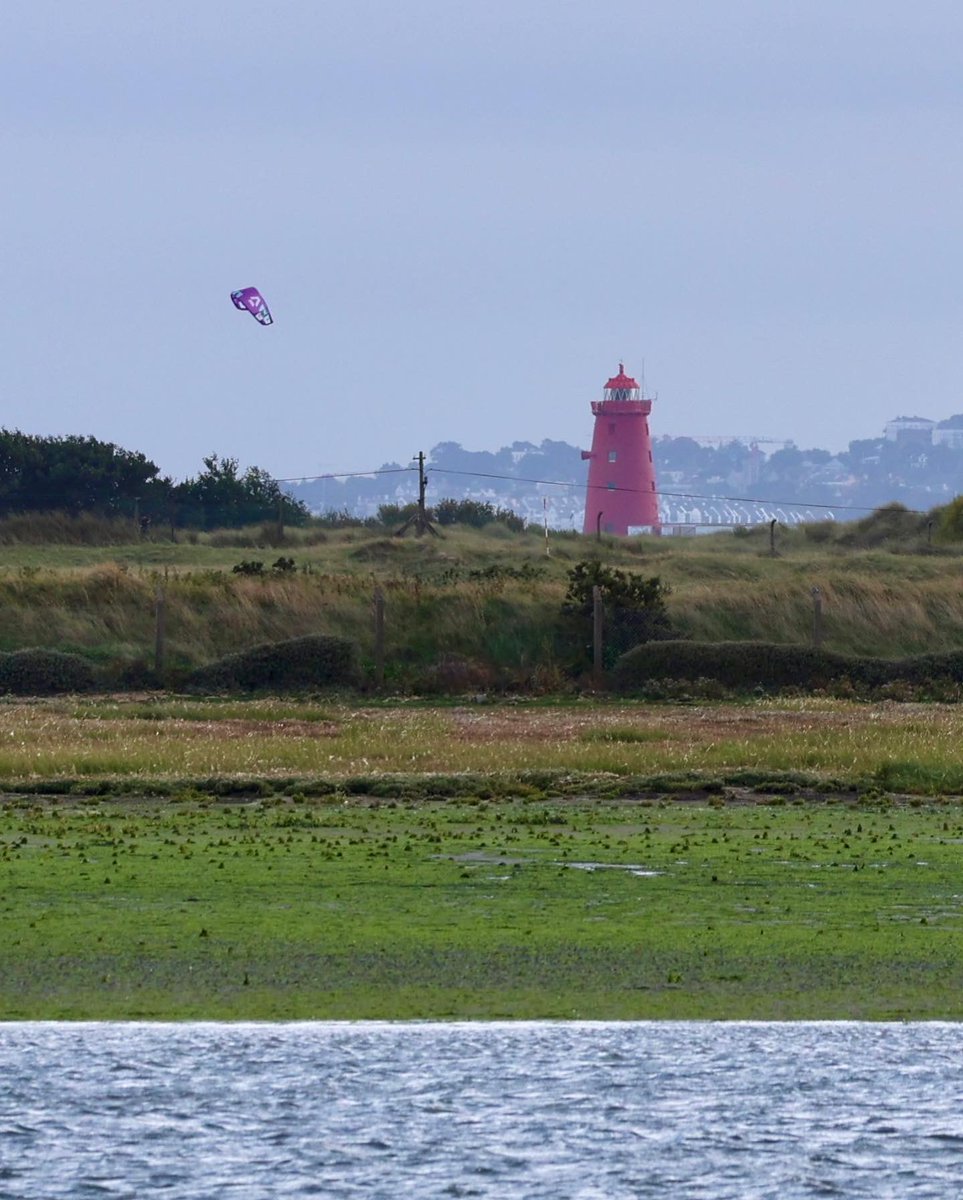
x,y
160,632
379,638
420,517
597,613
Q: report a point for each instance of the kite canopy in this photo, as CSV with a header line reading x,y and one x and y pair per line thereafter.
x,y
252,300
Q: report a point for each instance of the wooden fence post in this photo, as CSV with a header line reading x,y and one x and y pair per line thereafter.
x,y
160,632
597,613
379,638
817,618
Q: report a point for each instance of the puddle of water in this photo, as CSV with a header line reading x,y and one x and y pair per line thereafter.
x,y
632,868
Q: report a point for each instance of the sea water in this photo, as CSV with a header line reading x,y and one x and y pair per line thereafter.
x,y
667,1109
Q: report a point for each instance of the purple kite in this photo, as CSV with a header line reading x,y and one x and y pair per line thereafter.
x,y
253,301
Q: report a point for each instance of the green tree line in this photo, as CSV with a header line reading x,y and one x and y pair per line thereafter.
x,y
76,474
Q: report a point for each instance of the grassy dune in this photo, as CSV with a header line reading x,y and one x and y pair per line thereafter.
x,y
491,597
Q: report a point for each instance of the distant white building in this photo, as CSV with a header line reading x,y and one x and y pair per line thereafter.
x,y
949,433
916,430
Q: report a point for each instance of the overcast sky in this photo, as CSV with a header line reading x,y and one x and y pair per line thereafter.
x,y
463,215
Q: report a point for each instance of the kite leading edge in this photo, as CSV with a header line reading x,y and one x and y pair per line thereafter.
x,y
252,300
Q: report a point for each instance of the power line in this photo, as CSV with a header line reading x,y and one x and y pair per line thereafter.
x,y
343,475
568,483
670,495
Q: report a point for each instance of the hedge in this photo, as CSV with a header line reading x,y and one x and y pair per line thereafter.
x,y
304,662
747,665
40,672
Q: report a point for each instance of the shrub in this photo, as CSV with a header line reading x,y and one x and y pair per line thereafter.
x,y
397,514
634,607
742,665
476,513
891,524
453,674
304,662
45,672
747,665
951,521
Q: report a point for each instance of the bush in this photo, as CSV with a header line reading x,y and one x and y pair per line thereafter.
x,y
747,665
951,521
743,665
45,672
890,525
476,513
304,662
453,674
634,607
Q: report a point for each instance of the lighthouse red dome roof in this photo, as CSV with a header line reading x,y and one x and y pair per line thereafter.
x,y
621,380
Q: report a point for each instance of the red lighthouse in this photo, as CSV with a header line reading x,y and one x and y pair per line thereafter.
x,y
621,496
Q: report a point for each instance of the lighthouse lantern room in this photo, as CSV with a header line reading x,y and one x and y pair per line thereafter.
x,y
620,497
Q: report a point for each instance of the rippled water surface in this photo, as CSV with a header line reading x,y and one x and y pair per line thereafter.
x,y
507,1110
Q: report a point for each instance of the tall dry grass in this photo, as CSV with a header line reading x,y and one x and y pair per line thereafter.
x,y
491,599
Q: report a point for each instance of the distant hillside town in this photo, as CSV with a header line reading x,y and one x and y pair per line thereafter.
x,y
701,482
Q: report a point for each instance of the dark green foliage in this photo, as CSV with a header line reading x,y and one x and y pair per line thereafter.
x,y
222,498
281,566
74,475
634,607
951,521
44,672
744,666
306,662
476,513
498,572
735,664
396,514
889,525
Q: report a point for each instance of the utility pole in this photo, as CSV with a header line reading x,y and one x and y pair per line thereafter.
x,y
160,631
419,519
379,638
817,617
598,610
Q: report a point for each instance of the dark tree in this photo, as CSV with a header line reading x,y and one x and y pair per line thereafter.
x,y
222,498
76,475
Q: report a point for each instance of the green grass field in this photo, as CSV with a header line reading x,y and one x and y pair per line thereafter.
x,y
444,909
170,858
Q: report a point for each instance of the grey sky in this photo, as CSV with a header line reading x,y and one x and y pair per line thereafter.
x,y
464,214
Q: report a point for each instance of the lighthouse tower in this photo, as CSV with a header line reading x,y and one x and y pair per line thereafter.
x,y
621,496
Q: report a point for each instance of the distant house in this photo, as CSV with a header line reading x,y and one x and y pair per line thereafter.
x,y
916,431
949,433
